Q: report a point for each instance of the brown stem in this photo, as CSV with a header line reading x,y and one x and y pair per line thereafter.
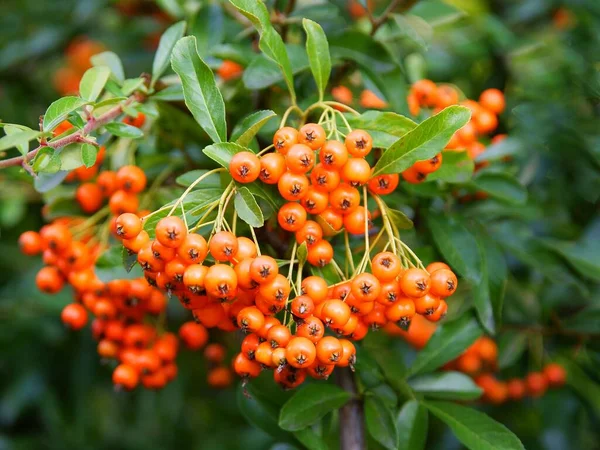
x,y
78,136
352,428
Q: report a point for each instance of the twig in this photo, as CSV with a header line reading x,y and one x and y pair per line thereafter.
x,y
352,431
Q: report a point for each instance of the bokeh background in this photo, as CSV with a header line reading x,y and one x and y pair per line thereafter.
x,y
545,54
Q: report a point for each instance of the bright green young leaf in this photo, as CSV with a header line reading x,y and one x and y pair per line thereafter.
x,y
246,129
317,49
270,42
476,430
247,208
202,96
446,385
92,82
167,42
456,167
18,138
123,130
457,245
173,93
108,102
69,157
131,85
423,142
449,340
383,121
502,186
113,62
380,422
88,154
310,404
59,110
212,181
223,152
412,423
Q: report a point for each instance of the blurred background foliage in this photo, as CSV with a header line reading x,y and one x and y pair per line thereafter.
x,y
54,393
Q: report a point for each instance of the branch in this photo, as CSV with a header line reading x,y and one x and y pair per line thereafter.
x,y
352,431
79,136
403,5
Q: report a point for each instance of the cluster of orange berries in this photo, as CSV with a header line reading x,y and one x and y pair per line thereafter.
x,y
367,99
484,113
78,54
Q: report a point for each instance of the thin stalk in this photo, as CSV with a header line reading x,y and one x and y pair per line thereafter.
x,y
192,186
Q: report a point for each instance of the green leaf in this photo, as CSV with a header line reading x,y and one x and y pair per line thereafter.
x,y
392,366
310,404
88,154
423,142
361,48
582,383
412,423
18,138
109,102
413,29
446,385
456,167
212,181
59,110
385,127
380,422
310,440
223,152
457,245
92,82
508,146
131,85
399,219
501,186
263,72
123,130
270,42
269,193
449,341
47,181
111,257
474,429
302,253
70,157
173,93
497,275
511,346
202,96
317,49
585,321
208,27
328,273
247,208
113,62
246,129
165,47
128,259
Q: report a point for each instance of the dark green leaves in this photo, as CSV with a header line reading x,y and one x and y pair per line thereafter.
x,y
317,49
423,142
202,96
309,404
244,132
123,130
384,127
270,42
474,429
165,48
59,110
412,423
501,186
446,385
223,152
247,208
456,167
92,82
380,422
449,340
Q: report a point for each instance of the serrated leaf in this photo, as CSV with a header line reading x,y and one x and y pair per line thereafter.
x,y
123,130
246,129
456,167
59,110
446,385
449,340
317,49
202,96
247,208
113,62
223,152
88,154
270,43
18,138
380,422
423,142
474,429
92,83
412,423
502,186
167,42
310,404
